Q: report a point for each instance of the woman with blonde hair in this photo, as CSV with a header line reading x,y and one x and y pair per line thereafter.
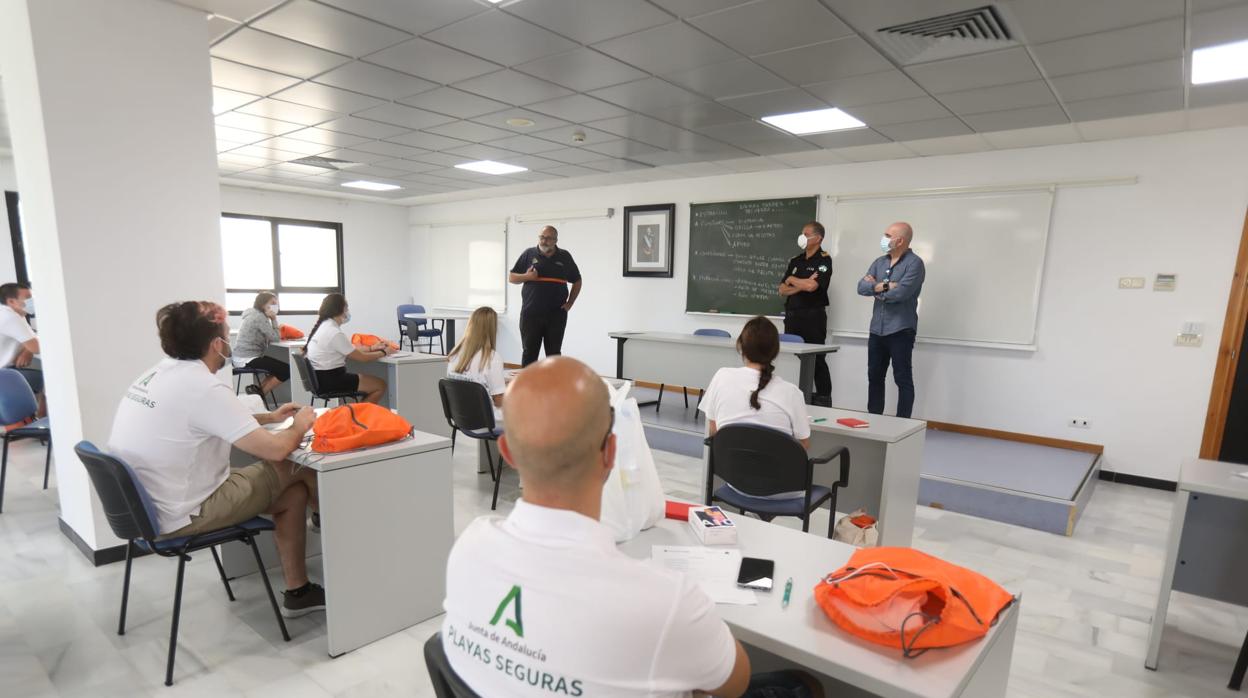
x,y
476,357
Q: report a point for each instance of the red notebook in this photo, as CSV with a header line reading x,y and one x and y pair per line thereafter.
x,y
679,510
853,423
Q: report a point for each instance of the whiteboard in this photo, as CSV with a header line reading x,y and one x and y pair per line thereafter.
x,y
467,266
984,255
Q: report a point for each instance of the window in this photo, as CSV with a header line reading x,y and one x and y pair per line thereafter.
x,y
300,261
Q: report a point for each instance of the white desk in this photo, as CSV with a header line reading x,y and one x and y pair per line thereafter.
x,y
803,635
448,319
1207,553
411,387
691,360
292,390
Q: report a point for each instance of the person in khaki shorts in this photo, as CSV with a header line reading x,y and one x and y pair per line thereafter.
x,y
175,427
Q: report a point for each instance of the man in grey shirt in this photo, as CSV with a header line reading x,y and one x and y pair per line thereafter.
x,y
894,280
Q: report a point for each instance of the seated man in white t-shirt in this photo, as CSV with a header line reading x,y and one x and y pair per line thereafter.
x,y
542,603
18,343
175,426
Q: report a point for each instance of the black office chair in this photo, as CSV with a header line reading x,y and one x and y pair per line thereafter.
x,y
1241,667
469,410
17,404
132,517
308,377
760,462
258,376
446,683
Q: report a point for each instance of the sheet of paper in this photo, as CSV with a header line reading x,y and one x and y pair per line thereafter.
x,y
714,569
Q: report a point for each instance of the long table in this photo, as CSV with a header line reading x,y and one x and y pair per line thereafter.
x,y
691,360
802,635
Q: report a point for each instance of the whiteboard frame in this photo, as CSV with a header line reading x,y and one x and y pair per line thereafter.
x,y
506,236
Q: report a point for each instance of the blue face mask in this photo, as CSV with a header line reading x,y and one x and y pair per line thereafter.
x,y
885,244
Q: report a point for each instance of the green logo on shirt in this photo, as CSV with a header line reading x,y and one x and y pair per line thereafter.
x,y
516,624
148,379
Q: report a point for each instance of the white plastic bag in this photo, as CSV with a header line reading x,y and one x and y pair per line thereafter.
x,y
847,531
632,499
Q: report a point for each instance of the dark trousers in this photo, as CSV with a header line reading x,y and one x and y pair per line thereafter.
x,y
542,327
811,324
881,349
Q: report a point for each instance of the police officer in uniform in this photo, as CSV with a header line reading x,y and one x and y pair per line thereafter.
x,y
805,290
545,271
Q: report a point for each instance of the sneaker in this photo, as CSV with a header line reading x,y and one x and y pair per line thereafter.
x,y
252,389
300,603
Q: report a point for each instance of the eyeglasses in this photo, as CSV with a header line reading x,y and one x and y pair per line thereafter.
x,y
610,428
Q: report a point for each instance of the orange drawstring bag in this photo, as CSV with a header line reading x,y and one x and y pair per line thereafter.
x,y
368,340
903,598
289,332
348,427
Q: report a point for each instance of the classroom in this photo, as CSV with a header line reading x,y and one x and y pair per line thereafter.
x,y
461,348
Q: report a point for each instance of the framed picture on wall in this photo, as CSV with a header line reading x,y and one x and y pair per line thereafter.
x,y
649,240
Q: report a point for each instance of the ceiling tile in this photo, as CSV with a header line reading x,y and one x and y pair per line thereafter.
x,y
950,145
577,108
622,148
902,111
657,133
772,25
319,25
743,132
534,162
287,111
258,124
617,165
294,145
572,171
791,144
501,38
431,61
530,176
827,61
389,150
668,48
581,70
325,97
373,171
1032,137
219,26
590,21
570,155
469,131
540,121
1017,118
979,70
1144,77
1142,44
426,178
563,134
274,53
478,151
353,155
400,115
224,100
1132,126
647,94
778,102
237,10
415,17
999,98
1220,27
696,115
1221,116
1219,93
448,100
332,139
267,152
693,8
428,141
1125,105
730,79
528,145
846,139
248,160
1059,19
363,127
374,80
871,88
238,135
814,158
245,78
513,88
882,151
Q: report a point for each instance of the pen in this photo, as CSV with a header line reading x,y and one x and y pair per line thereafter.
x,y
788,589
821,419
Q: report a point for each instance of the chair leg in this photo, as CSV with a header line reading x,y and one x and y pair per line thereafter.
x,y
238,382
498,476
806,523
453,433
221,571
658,403
4,467
489,457
47,464
1241,667
686,392
832,515
268,588
173,625
125,589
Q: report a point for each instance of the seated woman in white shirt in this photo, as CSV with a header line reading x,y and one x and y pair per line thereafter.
x,y
329,348
476,357
752,394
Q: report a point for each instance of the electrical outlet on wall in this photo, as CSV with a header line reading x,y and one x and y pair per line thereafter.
x,y
1080,423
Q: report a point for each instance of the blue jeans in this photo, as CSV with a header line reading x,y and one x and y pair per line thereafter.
x,y
897,348
777,684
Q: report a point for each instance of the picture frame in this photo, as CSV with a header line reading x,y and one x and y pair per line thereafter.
x,y
650,240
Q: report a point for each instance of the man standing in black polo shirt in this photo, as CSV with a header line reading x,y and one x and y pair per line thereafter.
x,y
545,271
805,290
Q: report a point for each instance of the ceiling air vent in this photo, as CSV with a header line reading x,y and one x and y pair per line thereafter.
x,y
955,34
327,163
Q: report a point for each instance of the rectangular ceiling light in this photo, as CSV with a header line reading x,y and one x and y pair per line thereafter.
x,y
491,167
1220,63
817,121
371,186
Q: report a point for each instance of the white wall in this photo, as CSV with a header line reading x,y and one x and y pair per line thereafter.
x,y
1104,354
375,251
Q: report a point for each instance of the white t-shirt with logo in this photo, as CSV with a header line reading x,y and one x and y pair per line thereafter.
x,y
14,332
174,428
543,604
329,347
491,376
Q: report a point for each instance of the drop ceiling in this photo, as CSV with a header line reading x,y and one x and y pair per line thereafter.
x,y
407,89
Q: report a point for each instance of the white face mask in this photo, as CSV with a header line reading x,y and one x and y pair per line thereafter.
x,y
885,244
30,305
272,309
346,318
801,240
229,351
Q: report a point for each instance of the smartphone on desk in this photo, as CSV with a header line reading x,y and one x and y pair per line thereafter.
x,y
756,573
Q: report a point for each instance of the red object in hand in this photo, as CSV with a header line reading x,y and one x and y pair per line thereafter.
x,y
853,423
679,510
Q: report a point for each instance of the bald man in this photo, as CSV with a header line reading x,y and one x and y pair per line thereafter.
x,y
894,281
545,271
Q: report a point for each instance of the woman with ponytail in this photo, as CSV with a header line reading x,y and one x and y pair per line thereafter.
x,y
329,348
753,394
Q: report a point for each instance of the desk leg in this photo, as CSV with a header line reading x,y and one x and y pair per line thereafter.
x,y
1167,580
450,334
619,357
806,376
899,489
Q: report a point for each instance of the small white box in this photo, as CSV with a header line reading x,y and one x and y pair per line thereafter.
x,y
712,526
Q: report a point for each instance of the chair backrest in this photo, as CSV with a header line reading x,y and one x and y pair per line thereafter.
x,y
446,683
17,401
795,338
466,404
127,506
711,332
758,460
306,375
419,309
404,310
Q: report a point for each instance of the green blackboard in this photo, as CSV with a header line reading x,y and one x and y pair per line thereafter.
x,y
738,251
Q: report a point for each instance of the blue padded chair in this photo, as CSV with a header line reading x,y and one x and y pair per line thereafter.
x,y
17,403
794,338
308,377
759,462
132,517
258,376
469,410
446,683
401,311
415,329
